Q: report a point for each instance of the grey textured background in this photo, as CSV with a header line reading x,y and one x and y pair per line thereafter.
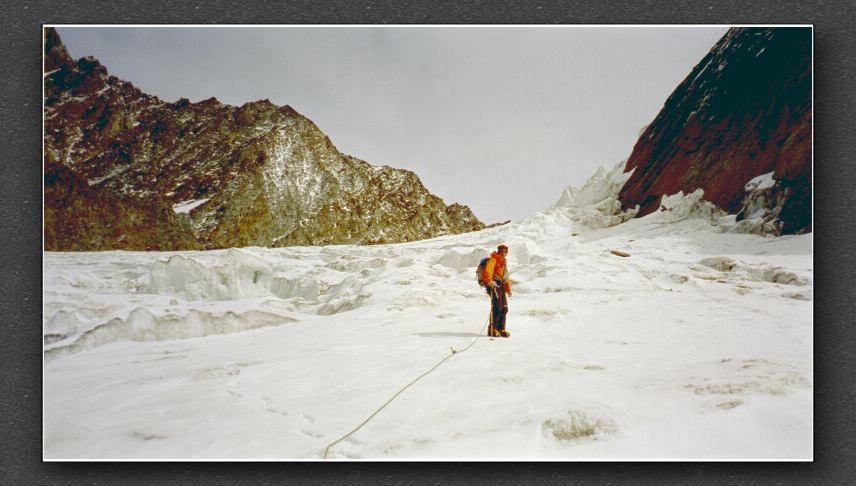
x,y
20,203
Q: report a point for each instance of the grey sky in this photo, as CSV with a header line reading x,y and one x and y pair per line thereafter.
x,y
498,118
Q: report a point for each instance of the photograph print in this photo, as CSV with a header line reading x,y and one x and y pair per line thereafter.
x,y
427,242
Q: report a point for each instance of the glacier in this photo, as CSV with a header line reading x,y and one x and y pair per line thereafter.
x,y
698,346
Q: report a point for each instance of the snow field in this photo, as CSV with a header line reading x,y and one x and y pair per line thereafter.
x,y
697,346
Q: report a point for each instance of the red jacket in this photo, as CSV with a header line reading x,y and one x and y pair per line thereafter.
x,y
495,269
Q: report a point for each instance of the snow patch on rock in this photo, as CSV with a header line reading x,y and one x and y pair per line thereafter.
x,y
761,206
185,207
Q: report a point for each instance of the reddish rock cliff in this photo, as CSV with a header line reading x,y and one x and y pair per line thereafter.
x,y
743,111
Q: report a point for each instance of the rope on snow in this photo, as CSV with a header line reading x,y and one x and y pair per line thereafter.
x,y
399,392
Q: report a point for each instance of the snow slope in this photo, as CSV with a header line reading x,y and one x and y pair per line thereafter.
x,y
697,346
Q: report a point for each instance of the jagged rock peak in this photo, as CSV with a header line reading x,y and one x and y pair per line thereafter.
x,y
55,54
254,175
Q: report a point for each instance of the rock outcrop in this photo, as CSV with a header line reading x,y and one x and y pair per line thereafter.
x,y
126,170
741,116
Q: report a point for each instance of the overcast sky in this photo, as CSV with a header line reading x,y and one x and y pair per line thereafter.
x,y
501,119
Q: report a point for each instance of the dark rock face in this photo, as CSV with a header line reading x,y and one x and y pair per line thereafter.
x,y
744,111
126,170
78,218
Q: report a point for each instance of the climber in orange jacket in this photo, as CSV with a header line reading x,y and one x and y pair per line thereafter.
x,y
498,285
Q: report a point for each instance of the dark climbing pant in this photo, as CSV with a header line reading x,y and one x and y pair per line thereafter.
x,y
499,306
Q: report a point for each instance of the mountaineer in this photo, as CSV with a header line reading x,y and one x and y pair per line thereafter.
x,y
498,285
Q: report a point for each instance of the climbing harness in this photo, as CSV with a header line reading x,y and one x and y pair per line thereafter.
x,y
399,392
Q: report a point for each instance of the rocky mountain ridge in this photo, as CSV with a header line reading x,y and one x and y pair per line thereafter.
x,y
739,127
126,170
